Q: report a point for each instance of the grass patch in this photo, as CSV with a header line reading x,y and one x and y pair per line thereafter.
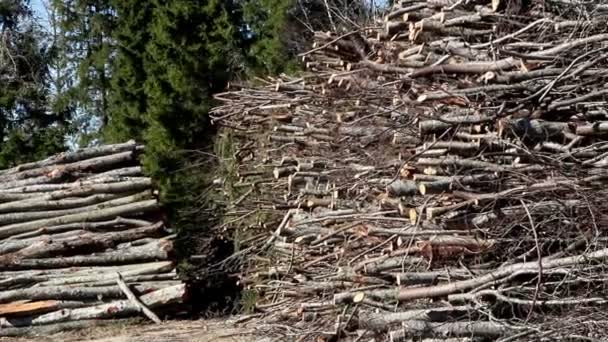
x,y
249,298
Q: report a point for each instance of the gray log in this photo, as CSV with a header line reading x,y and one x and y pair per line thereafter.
x,y
36,204
88,242
159,250
380,321
17,217
72,292
98,163
77,275
133,171
78,189
118,223
78,155
122,308
402,188
414,328
597,128
97,215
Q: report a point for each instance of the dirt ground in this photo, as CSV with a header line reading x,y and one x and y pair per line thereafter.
x,y
173,331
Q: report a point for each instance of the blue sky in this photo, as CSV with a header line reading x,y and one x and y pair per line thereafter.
x,y
39,11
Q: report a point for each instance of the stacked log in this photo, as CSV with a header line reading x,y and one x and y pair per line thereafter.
x,y
441,176
82,238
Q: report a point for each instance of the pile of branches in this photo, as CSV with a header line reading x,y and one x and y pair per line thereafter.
x,y
442,175
82,238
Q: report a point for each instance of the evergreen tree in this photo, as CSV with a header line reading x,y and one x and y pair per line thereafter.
x,y
28,128
127,98
62,72
190,54
87,27
272,45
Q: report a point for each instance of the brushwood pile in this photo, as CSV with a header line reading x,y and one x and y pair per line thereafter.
x,y
439,175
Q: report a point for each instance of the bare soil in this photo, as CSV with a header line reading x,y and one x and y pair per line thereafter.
x,y
172,331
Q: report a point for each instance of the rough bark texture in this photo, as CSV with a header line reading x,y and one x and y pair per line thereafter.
x,y
464,152
62,244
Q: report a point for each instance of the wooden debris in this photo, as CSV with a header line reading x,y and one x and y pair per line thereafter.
x,y
465,149
68,225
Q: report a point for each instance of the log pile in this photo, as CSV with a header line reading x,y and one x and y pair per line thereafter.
x,y
442,175
82,238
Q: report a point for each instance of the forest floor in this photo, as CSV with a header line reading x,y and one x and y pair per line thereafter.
x,y
170,331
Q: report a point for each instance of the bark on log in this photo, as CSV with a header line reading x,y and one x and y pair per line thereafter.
x,y
158,298
597,128
509,63
379,321
70,157
77,275
105,280
454,146
135,301
592,95
44,189
119,223
438,126
72,292
398,13
534,129
482,90
454,183
159,250
402,188
392,27
26,307
133,171
90,243
430,277
52,178
487,219
98,163
79,189
496,276
97,215
115,201
415,328
462,163
393,263
36,204
11,246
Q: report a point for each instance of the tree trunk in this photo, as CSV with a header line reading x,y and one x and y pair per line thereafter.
x,y
71,157
98,163
96,215
122,308
159,250
114,201
89,242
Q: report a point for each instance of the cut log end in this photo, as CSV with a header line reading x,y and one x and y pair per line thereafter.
x,y
422,189
413,214
358,298
497,5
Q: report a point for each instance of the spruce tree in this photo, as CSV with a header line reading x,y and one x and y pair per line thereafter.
x,y
189,56
127,97
88,32
269,38
29,129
